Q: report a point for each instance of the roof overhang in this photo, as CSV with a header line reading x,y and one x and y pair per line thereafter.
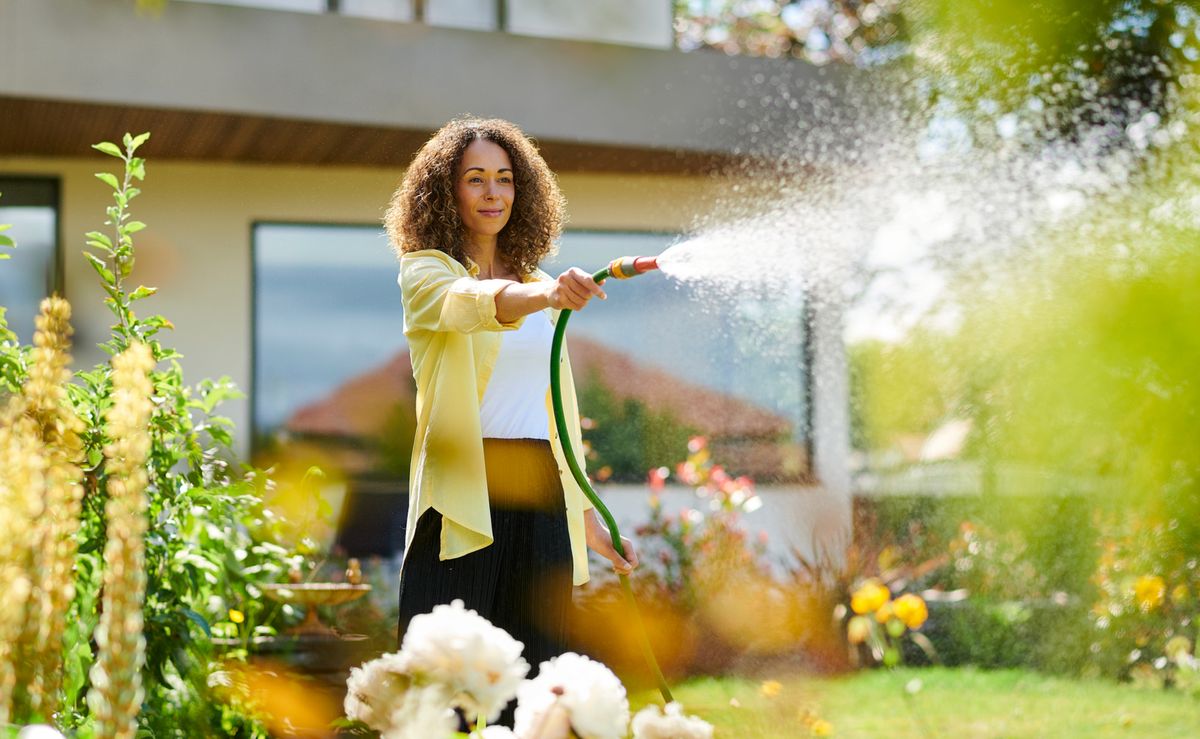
x,y
240,84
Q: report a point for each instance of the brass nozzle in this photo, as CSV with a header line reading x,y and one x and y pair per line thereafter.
x,y
627,267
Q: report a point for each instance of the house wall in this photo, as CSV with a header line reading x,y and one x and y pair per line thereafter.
x,y
196,248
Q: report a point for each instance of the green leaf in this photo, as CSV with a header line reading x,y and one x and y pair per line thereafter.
x,y
133,227
198,619
138,140
109,179
142,292
5,226
108,148
101,268
99,237
7,241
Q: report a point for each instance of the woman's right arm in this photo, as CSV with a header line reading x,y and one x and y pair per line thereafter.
x,y
571,290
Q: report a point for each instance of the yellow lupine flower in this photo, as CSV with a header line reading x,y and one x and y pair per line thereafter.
x,y
236,616
911,609
1149,591
884,613
870,597
771,688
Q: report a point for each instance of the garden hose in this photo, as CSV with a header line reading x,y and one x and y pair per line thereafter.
x,y
621,269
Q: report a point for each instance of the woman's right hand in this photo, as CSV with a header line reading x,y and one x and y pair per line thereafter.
x,y
572,290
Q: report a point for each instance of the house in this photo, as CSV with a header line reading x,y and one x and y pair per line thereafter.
x,y
280,129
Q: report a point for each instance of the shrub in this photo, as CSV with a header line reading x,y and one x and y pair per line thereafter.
x,y
208,540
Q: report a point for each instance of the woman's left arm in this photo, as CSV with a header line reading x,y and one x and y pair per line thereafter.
x,y
599,540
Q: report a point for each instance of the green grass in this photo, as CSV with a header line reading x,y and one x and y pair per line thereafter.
x,y
950,703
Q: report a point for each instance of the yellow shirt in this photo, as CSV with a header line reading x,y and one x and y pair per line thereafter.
x,y
453,338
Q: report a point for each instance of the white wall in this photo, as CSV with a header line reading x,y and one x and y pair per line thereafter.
x,y
197,246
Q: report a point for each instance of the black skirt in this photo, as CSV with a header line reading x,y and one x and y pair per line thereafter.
x,y
522,581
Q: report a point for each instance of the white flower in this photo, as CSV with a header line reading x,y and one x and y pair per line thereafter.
x,y
649,723
40,731
590,693
480,663
383,696
423,713
374,689
496,732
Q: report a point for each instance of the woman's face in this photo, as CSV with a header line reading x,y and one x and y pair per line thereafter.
x,y
485,189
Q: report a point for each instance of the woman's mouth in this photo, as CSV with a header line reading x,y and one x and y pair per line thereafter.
x,y
492,213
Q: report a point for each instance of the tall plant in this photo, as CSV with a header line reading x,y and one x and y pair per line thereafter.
x,y
128,461
211,539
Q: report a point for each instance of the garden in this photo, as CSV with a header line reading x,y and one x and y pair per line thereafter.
x,y
1022,555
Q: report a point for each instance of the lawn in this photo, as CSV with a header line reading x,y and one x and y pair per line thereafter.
x,y
947,703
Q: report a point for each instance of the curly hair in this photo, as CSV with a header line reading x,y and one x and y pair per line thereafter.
x,y
424,213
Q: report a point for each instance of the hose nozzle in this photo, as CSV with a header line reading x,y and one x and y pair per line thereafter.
x,y
627,267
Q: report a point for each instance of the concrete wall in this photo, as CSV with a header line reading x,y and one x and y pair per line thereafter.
x,y
197,246
217,58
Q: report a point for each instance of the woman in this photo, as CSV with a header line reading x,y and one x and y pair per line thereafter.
x,y
494,516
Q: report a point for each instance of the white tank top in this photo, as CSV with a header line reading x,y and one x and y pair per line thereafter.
x,y
514,403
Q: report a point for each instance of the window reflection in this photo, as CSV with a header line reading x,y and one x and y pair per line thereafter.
x,y
673,360
655,364
31,274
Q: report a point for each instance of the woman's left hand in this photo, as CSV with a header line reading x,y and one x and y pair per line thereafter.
x,y
599,540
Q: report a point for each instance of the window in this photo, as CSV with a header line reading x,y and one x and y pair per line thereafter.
x,y
332,386
32,273
677,359
656,363
326,311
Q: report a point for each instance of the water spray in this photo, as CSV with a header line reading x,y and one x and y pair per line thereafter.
x,y
621,269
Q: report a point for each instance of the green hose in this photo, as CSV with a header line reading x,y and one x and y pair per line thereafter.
x,y
564,439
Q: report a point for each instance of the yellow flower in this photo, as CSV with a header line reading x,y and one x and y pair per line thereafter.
x,y
771,688
1149,591
236,616
911,609
884,613
821,727
870,597
858,630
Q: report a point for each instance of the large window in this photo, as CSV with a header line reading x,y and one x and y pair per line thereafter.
x,y
326,311
656,363
32,273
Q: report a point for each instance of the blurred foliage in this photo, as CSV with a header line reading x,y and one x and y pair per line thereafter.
x,y
701,572
623,437
818,31
1070,68
1147,615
